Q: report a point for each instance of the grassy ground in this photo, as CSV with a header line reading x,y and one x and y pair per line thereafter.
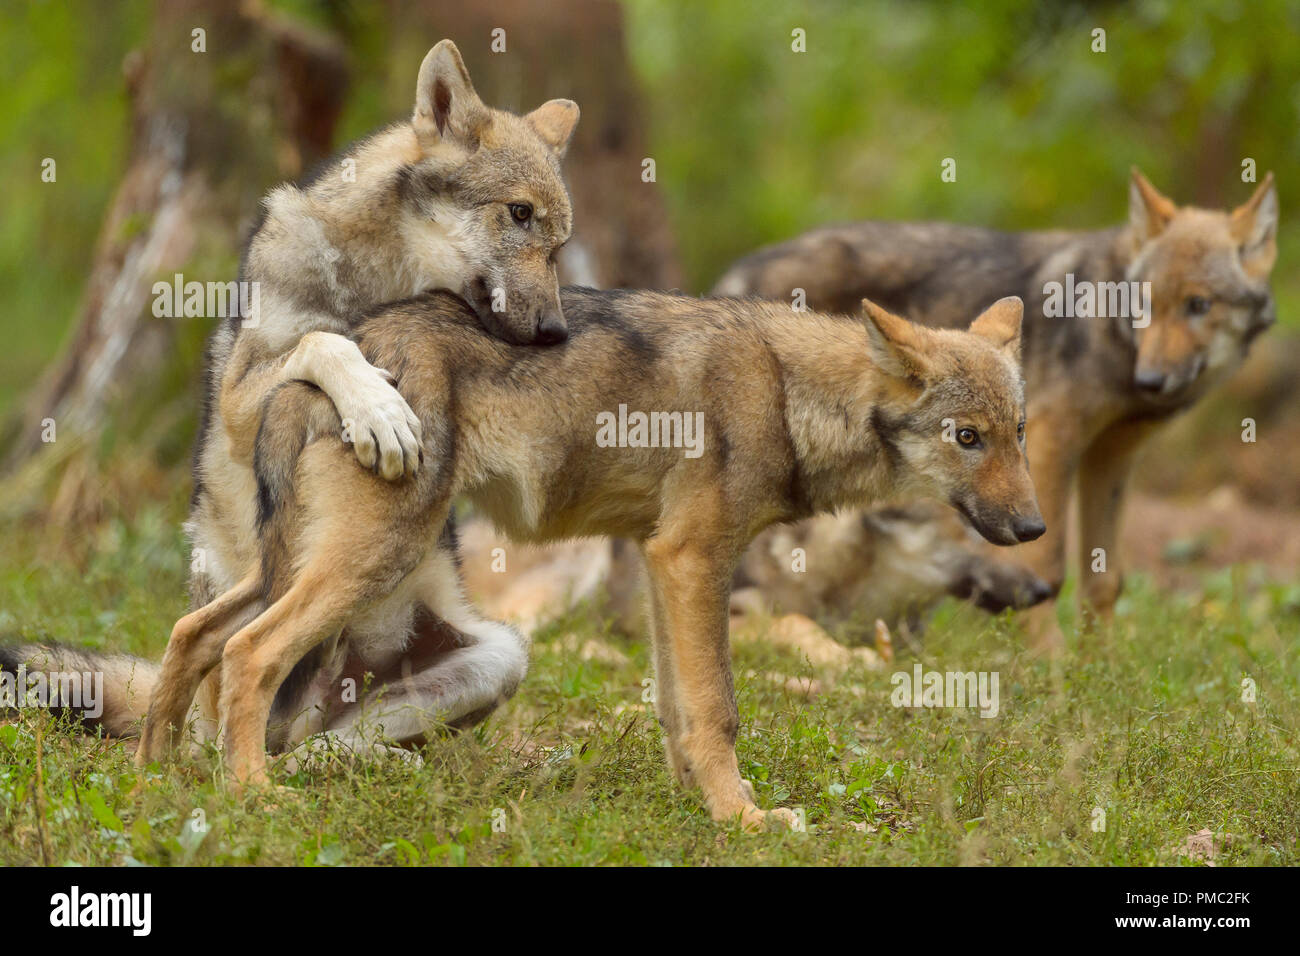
x,y
1146,723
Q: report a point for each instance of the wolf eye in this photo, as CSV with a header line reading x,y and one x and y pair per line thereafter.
x,y
521,212
968,437
1197,305
1020,432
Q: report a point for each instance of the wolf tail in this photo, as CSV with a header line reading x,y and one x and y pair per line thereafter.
x,y
107,691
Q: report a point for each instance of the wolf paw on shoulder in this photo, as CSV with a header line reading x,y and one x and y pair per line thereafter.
x,y
384,432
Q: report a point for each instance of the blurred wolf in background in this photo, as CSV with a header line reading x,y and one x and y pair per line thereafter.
x,y
1097,386
850,568
461,197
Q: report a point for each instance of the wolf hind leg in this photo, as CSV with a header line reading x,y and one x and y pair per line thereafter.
x,y
329,584
192,651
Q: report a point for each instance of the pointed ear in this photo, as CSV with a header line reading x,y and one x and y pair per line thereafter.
x,y
1254,225
554,122
446,106
898,347
1000,324
1148,211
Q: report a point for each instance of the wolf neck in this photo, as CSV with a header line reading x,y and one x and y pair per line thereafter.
x,y
834,402
347,253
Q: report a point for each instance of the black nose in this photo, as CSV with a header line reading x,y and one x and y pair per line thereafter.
x,y
551,329
1041,591
1148,380
1028,529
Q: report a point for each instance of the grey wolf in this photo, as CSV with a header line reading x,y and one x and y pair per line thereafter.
x,y
1097,387
460,197
800,417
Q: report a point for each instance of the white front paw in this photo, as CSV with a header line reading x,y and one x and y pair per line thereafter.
x,y
380,424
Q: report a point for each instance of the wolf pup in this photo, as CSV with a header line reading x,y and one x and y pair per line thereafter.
x,y
460,197
736,418
1100,378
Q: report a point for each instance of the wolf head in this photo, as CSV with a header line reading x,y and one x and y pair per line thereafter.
x,y
954,416
462,198
1210,295
487,184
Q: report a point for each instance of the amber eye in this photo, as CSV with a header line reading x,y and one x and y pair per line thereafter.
x,y
521,212
968,437
1197,305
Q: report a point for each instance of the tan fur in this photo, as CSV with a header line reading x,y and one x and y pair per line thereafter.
x,y
1095,386
425,204
801,417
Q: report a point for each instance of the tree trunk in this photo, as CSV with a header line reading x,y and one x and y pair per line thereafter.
x,y
210,130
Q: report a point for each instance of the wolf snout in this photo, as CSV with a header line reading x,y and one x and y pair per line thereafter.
x,y
1149,380
1027,527
551,329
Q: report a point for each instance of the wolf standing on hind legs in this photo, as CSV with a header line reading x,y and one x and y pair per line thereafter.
x,y
788,419
462,197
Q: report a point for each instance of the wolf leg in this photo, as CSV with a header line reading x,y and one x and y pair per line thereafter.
x,y
326,587
692,582
193,650
386,432
1103,479
667,706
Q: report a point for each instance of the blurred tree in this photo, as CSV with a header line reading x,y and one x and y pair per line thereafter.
x,y
223,101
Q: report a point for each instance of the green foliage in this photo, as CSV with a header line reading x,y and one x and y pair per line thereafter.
x,y
1145,722
61,70
755,143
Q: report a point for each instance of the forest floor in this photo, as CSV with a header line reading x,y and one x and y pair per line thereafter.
x,y
1139,746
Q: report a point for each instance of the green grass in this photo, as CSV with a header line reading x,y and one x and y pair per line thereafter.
x,y
1146,722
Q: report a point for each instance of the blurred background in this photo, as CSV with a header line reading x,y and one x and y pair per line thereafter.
x,y
162,153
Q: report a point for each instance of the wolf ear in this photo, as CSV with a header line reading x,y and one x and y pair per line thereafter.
x,y
1254,225
446,106
1148,211
554,122
1000,324
897,346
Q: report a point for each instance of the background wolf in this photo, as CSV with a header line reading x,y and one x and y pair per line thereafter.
x,y
1096,386
891,563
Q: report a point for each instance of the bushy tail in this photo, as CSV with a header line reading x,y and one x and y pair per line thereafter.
x,y
106,691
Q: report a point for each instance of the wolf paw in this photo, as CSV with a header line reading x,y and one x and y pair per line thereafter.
x,y
754,820
385,433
